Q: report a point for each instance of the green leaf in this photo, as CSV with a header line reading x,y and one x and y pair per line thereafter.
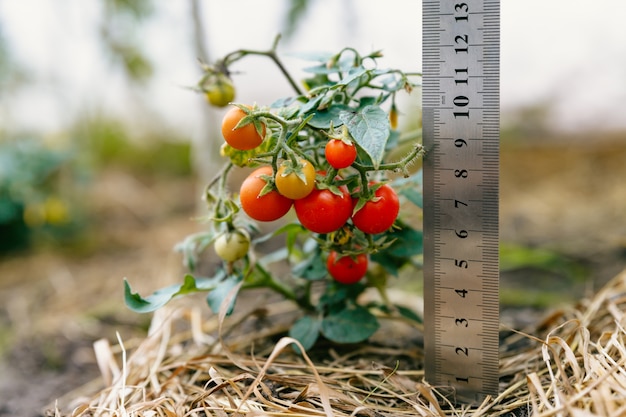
x,y
312,268
370,129
413,195
306,330
392,264
408,313
410,188
408,241
351,325
161,297
216,298
194,245
336,295
323,119
352,75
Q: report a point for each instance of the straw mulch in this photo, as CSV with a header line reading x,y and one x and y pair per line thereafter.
x,y
570,364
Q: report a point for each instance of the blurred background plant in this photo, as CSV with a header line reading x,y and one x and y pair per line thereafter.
x,y
36,198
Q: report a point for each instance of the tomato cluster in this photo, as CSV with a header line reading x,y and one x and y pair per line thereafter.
x,y
324,201
333,152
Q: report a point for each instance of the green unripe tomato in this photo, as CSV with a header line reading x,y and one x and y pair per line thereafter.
x,y
232,246
220,92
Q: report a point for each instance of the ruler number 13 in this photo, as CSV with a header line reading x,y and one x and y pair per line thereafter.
x,y
461,11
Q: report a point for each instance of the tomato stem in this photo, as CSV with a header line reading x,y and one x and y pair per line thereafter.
x,y
271,53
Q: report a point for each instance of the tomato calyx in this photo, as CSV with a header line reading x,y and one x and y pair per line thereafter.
x,y
379,212
270,184
250,118
369,194
294,167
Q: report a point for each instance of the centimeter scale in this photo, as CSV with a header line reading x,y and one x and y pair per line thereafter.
x,y
461,134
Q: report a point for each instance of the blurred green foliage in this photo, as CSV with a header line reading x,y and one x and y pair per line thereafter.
x,y
42,186
107,142
33,197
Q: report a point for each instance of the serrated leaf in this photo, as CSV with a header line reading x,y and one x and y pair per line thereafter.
x,y
306,330
370,129
351,325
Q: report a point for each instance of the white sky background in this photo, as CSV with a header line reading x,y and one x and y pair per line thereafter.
x,y
569,52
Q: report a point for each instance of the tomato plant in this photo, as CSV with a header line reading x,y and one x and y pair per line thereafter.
x,y
347,269
326,150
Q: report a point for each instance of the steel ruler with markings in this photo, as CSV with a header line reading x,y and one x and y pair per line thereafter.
x,y
461,134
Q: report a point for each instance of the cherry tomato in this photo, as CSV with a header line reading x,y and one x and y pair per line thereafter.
x,y
339,154
219,91
232,246
290,184
322,211
347,269
378,214
243,138
268,207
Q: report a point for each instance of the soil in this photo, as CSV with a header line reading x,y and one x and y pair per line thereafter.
x,y
564,196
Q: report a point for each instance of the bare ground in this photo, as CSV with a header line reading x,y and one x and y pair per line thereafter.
x,y
568,196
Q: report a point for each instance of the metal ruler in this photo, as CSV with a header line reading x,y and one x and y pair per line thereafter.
x,y
461,131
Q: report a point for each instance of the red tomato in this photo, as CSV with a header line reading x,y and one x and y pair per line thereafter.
x,y
347,269
378,214
339,154
322,211
266,208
